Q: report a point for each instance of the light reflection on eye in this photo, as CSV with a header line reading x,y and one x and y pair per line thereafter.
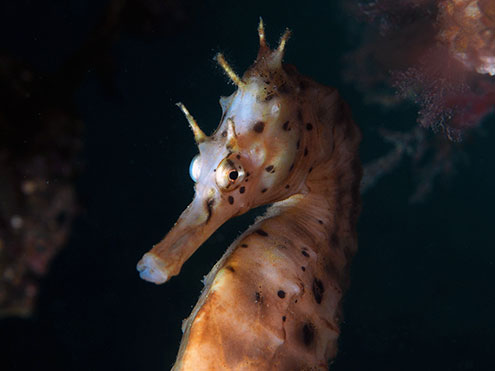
x,y
194,169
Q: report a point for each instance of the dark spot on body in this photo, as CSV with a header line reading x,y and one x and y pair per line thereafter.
x,y
284,318
309,126
242,189
320,221
238,157
248,174
305,253
230,268
281,294
298,143
269,97
259,127
334,239
318,290
310,169
258,298
282,246
287,186
305,151
264,190
308,333
285,126
269,168
231,200
224,133
303,269
291,167
244,246
261,232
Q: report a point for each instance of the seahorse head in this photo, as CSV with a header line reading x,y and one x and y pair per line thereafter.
x,y
248,161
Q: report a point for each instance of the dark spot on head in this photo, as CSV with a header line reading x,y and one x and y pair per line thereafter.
x,y
284,318
310,169
259,127
320,221
231,200
281,294
242,189
244,245
261,232
305,253
269,97
303,269
309,126
269,168
230,268
285,126
298,143
318,290
258,298
308,333
264,190
248,174
305,151
209,204
287,186
238,157
291,167
267,82
224,133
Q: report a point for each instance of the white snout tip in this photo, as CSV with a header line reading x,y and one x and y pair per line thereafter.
x,y
151,269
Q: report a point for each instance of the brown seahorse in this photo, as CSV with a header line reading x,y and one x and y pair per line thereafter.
x,y
272,302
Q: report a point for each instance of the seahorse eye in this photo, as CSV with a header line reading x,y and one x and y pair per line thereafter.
x,y
229,174
194,169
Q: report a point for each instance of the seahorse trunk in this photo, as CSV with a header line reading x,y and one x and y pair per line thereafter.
x,y
273,301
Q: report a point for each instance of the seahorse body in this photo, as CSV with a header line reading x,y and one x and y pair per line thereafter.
x,y
272,302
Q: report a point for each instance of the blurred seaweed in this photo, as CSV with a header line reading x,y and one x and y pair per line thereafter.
x,y
41,138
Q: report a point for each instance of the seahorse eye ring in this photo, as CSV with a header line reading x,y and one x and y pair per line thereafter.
x,y
229,174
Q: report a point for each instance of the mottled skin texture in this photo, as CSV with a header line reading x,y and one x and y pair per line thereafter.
x,y
273,301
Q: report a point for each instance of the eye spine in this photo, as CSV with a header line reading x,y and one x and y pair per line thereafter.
x,y
199,135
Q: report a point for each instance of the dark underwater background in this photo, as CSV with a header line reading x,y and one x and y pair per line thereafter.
x,y
422,292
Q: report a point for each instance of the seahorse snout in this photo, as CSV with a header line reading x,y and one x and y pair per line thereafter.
x,y
151,268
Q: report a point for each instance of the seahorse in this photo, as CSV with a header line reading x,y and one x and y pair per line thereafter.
x,y
272,302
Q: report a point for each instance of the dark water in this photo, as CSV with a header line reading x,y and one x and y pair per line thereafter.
x,y
422,294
